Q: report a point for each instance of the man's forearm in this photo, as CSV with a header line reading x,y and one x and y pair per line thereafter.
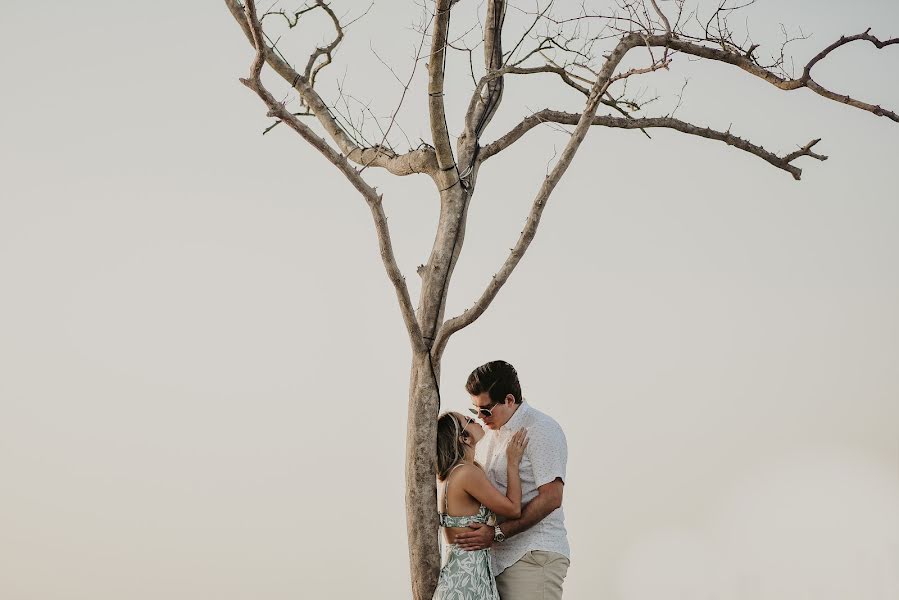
x,y
531,513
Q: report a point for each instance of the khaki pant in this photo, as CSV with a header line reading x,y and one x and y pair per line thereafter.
x,y
537,576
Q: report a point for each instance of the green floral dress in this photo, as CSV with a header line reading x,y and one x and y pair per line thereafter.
x,y
466,575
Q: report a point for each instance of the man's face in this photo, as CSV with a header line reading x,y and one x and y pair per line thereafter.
x,y
500,413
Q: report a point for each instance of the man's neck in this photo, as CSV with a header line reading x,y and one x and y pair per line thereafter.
x,y
514,410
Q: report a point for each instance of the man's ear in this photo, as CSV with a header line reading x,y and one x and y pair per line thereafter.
x,y
510,397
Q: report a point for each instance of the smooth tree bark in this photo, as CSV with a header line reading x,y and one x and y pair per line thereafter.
x,y
571,58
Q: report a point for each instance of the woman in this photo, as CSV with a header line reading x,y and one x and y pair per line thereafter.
x,y
470,499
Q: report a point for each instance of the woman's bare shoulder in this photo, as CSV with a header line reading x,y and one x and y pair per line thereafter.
x,y
469,472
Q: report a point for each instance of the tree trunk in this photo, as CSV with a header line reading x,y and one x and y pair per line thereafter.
x,y
421,491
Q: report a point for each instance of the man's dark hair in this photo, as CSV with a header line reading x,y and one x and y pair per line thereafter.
x,y
498,378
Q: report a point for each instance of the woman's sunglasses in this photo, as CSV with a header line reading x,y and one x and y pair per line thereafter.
x,y
484,411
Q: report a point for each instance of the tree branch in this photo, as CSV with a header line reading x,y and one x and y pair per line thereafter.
x,y
312,69
563,118
372,198
567,77
484,104
436,72
746,62
662,16
588,118
421,160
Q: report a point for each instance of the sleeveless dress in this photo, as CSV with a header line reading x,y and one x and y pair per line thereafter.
x,y
465,575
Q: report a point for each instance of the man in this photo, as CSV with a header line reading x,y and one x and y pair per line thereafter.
x,y
531,553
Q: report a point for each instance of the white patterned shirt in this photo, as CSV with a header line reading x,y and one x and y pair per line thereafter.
x,y
543,461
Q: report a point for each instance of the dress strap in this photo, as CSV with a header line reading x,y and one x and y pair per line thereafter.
x,y
446,488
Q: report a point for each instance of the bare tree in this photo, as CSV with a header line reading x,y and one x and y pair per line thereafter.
x,y
584,52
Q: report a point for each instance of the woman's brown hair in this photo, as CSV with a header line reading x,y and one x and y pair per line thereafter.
x,y
450,447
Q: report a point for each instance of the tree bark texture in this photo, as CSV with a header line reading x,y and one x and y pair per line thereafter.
x,y
421,495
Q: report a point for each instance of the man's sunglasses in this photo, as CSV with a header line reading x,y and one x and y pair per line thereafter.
x,y
484,411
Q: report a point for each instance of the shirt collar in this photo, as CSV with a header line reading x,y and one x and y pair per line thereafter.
x,y
516,420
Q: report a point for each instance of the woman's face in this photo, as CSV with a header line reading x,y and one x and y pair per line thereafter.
x,y
474,430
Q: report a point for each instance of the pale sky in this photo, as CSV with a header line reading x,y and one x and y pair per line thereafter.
x,y
204,372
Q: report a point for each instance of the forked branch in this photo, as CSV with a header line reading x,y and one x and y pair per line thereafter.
x,y
670,42
421,160
313,66
600,87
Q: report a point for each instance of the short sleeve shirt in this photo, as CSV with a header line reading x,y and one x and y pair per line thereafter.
x,y
544,461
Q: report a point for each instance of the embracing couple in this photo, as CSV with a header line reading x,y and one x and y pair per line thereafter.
x,y
500,495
